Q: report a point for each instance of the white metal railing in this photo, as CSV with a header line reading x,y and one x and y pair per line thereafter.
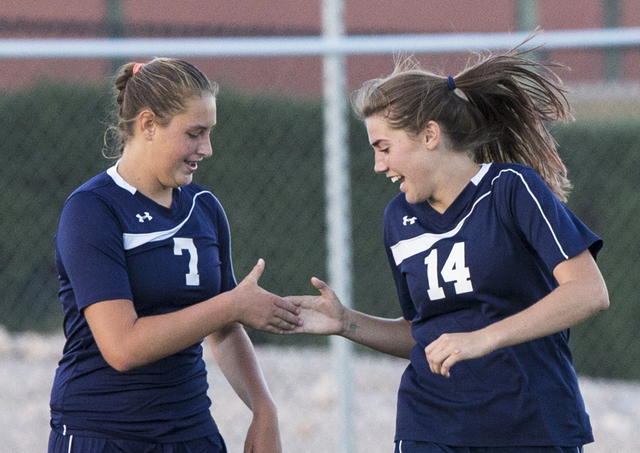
x,y
312,46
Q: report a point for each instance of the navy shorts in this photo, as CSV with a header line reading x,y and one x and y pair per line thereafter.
x,y
59,443
409,446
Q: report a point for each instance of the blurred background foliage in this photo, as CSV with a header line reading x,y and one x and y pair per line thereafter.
x,y
267,171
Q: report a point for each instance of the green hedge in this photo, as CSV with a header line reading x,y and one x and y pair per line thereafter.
x,y
267,170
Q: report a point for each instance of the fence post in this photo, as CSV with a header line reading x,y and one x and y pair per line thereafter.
x,y
338,207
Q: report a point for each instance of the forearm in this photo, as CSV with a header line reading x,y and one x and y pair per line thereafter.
x,y
325,315
566,306
581,293
236,358
127,341
391,336
166,334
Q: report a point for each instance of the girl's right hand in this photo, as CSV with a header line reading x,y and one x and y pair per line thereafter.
x,y
262,310
323,314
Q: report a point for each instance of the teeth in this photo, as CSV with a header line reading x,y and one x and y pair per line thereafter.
x,y
395,178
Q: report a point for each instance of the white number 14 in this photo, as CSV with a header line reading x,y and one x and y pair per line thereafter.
x,y
454,270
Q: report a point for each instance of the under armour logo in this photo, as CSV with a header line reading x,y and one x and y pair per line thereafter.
x,y
142,218
405,220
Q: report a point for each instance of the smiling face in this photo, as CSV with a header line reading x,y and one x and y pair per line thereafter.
x,y
185,141
403,158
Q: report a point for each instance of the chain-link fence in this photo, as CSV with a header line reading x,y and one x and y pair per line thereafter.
x,y
267,171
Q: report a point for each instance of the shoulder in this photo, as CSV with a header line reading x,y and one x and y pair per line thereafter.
x,y
99,201
201,202
88,215
200,194
194,189
515,181
511,173
91,193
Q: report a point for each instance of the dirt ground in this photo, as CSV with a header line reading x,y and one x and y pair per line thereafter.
x,y
303,384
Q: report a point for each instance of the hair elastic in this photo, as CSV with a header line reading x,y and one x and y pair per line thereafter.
x,y
450,82
137,67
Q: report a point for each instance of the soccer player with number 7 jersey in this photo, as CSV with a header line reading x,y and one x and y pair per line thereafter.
x,y
144,262
490,266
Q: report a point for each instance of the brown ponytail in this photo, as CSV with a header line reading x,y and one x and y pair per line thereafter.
x,y
497,111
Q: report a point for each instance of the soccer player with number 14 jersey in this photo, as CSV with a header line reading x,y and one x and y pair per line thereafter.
x,y
491,268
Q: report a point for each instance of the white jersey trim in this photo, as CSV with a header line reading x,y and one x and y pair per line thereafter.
x,y
119,180
553,233
133,240
484,168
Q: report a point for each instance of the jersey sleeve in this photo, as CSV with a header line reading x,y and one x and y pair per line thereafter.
x,y
549,227
228,279
90,247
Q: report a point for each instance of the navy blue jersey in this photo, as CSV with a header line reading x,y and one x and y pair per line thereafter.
x,y
115,243
490,255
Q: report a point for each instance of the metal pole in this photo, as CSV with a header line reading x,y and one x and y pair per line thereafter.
x,y
338,207
114,27
528,18
612,57
527,14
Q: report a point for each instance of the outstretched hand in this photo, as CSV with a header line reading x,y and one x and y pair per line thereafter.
x,y
262,310
323,314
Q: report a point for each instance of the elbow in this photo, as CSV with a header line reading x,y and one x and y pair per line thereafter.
x,y
121,366
600,298
604,300
120,360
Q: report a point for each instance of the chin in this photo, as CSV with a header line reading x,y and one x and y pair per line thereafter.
x,y
184,181
410,199
414,199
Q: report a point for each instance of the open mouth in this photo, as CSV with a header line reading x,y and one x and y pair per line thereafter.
x,y
395,179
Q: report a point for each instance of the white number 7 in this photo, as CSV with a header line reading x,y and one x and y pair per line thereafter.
x,y
454,270
180,244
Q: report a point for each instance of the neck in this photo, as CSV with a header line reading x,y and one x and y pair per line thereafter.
x,y
138,175
454,178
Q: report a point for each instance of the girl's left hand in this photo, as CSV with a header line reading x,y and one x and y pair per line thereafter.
x,y
451,348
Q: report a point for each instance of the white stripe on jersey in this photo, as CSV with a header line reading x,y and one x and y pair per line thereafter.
x,y
133,240
553,233
410,247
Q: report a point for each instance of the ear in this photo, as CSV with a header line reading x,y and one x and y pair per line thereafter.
x,y
432,134
147,124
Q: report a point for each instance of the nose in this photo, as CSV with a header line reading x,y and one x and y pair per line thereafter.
x,y
380,162
205,149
